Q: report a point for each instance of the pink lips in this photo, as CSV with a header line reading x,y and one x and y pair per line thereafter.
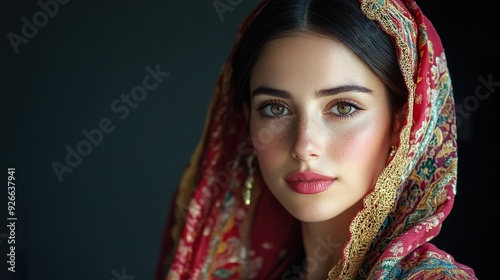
x,y
308,182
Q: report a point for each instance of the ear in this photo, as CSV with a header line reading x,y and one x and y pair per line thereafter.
x,y
398,123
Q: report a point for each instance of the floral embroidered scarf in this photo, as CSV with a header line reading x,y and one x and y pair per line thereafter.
x,y
212,234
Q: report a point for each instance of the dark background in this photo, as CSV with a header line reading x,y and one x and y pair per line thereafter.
x,y
104,220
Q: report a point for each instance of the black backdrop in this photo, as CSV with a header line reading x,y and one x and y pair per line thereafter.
x,y
66,73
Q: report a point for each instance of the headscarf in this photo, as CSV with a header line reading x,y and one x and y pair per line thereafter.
x,y
212,234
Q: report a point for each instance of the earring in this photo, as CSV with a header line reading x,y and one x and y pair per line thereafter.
x,y
247,195
393,151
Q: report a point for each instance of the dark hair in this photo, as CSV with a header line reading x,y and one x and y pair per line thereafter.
x,y
342,19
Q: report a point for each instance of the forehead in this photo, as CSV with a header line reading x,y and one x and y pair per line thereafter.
x,y
307,58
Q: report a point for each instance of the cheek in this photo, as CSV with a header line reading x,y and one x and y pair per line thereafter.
x,y
364,147
270,142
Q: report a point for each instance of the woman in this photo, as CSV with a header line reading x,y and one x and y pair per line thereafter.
x,y
329,151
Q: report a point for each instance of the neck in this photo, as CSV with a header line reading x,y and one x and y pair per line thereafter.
x,y
324,241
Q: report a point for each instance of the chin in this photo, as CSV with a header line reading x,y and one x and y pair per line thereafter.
x,y
312,219
311,213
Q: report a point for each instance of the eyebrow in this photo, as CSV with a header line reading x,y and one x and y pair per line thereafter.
x,y
321,93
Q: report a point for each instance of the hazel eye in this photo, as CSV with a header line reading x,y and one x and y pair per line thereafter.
x,y
275,110
345,109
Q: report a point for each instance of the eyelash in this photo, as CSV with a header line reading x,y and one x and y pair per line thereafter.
x,y
268,103
263,105
357,108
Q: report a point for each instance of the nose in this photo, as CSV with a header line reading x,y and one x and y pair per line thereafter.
x,y
307,140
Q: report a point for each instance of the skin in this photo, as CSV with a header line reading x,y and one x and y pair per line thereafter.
x,y
346,136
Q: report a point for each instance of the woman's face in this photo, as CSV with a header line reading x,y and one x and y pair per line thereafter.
x,y
320,124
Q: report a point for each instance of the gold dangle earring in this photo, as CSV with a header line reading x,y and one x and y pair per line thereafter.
x,y
392,152
247,195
